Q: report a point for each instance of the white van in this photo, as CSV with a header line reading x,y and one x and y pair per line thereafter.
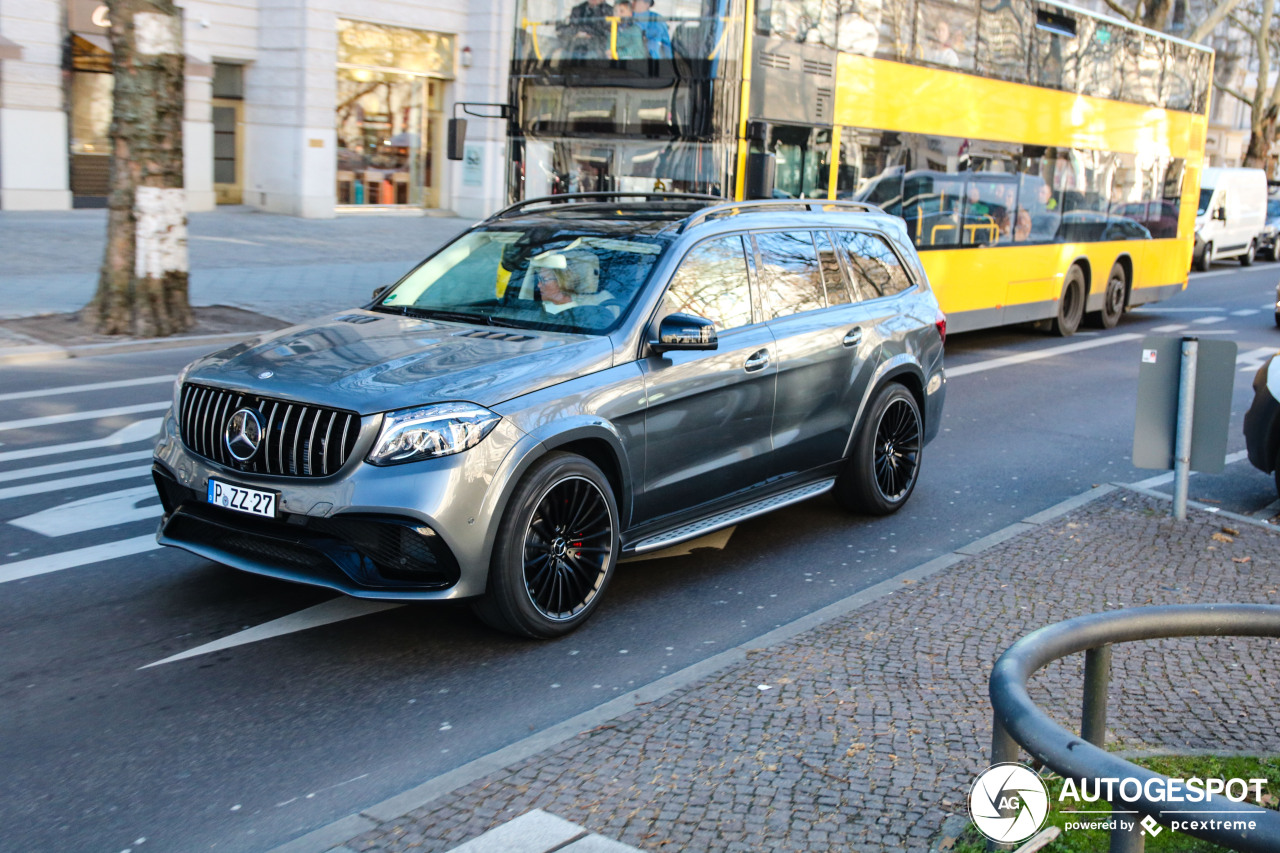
x,y
1231,215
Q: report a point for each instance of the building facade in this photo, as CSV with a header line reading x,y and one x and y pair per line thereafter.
x,y
301,107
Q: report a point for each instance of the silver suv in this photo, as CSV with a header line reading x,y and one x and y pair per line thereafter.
x,y
573,380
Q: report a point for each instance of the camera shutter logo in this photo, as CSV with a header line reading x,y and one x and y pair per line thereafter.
x,y
1008,802
243,434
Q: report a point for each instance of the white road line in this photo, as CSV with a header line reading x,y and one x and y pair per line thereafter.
x,y
333,610
93,513
76,465
1205,321
1021,358
133,433
83,416
1246,312
97,386
73,482
1165,330
1213,274
1161,309
75,559
1167,477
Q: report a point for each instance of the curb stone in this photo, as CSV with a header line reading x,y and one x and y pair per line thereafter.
x,y
50,352
332,837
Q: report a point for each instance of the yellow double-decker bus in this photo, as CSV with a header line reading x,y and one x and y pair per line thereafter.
x,y
1046,160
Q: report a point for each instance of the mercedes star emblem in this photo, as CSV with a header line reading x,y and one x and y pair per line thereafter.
x,y
243,434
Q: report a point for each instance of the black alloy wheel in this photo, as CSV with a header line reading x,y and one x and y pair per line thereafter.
x,y
885,462
555,550
567,548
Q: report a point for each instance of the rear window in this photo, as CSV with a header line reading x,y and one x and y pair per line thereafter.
x,y
875,269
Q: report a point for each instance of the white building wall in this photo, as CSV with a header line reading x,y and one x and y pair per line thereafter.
x,y
33,123
289,52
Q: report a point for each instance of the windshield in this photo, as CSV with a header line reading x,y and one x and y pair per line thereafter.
x,y
550,277
1205,197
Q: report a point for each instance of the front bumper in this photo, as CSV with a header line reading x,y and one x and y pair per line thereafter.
x,y
418,531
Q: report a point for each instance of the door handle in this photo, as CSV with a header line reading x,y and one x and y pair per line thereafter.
x,y
853,338
758,360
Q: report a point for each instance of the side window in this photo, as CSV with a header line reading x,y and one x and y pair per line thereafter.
x,y
832,278
875,269
712,283
790,279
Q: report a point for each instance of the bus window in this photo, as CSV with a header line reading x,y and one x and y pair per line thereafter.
x,y
1004,29
798,162
945,33
987,214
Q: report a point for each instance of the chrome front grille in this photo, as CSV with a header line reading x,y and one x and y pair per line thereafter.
x,y
298,440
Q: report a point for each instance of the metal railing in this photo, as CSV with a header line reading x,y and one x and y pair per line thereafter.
x,y
1019,722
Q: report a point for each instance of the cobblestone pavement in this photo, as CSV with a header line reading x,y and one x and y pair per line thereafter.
x,y
865,733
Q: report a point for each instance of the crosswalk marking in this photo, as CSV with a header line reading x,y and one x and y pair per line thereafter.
x,y
74,465
78,389
93,513
137,431
1250,361
68,417
1246,312
74,559
73,482
326,613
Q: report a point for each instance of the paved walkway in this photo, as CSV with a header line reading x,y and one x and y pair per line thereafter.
x,y
865,732
280,266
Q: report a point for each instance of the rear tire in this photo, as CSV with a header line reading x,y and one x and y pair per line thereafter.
x,y
555,550
1206,258
1113,299
1246,260
1070,305
884,464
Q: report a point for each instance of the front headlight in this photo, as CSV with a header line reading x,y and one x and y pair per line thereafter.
x,y
441,430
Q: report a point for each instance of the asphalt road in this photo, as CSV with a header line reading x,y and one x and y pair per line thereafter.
x,y
307,708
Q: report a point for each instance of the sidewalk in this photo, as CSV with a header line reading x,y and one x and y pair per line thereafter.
x,y
865,731
280,266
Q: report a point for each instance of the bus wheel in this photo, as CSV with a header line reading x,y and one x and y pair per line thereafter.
x,y
1246,260
1113,299
1206,258
1070,306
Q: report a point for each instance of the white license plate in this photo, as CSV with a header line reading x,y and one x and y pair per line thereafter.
x,y
241,499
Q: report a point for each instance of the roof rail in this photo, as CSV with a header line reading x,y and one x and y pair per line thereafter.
x,y
734,208
565,198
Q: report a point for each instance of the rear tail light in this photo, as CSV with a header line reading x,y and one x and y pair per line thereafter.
x,y
940,323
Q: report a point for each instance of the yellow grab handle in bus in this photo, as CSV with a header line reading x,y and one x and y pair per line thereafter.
x,y
933,235
532,27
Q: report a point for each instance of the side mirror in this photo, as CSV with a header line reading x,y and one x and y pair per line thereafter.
x,y
379,292
456,138
684,332
1220,214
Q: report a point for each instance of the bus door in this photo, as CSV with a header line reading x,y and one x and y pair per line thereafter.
x,y
802,161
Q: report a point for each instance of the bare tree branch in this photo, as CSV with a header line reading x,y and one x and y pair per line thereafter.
x,y
1211,21
1248,99
1122,11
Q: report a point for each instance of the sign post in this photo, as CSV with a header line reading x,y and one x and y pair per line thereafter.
x,y
1184,406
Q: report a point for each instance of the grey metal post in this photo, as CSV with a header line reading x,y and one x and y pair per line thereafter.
x,y
1182,442
1129,840
1003,746
1097,677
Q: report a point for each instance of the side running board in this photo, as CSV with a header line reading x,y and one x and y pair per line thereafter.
x,y
730,517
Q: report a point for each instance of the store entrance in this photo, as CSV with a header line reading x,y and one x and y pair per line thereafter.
x,y
388,125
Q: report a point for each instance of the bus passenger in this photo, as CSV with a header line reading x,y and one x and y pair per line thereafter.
x,y
630,38
654,28
940,49
586,34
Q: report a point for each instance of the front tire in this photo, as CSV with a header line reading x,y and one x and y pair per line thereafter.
x,y
1071,305
1206,258
883,467
555,551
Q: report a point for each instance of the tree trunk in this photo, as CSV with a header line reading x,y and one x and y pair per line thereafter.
x,y
1155,14
1261,136
142,288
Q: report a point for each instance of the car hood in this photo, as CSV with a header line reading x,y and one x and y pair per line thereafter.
x,y
371,362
